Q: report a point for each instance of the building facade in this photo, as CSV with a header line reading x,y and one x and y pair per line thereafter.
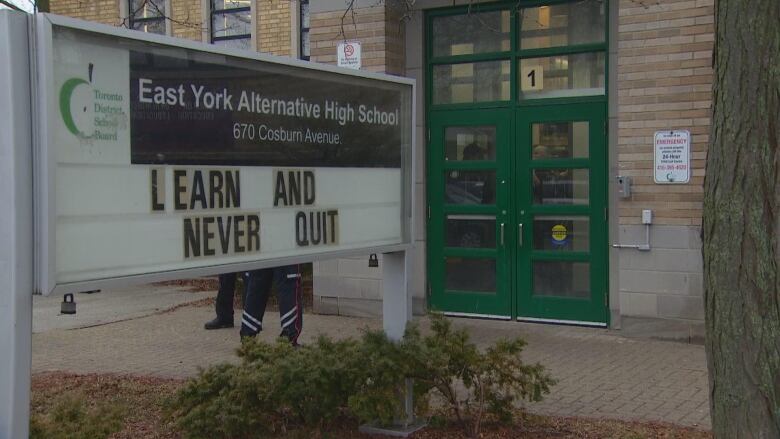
x,y
543,145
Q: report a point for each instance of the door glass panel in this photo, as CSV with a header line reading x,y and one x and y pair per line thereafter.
x,y
470,187
562,233
581,22
470,274
470,143
560,140
471,82
562,279
472,33
471,231
558,76
561,186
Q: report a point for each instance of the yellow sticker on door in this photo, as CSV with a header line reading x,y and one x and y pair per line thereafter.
x,y
559,234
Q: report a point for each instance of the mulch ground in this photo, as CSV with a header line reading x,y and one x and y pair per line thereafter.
x,y
143,399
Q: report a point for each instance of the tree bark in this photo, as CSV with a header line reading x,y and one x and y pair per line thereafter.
x,y
741,231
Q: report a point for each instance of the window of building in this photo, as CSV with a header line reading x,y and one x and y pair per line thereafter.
x,y
231,23
305,52
510,53
147,15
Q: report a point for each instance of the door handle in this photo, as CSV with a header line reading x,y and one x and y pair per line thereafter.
x,y
520,234
501,233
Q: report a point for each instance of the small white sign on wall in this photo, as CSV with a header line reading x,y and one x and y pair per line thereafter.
x,y
672,162
532,78
348,54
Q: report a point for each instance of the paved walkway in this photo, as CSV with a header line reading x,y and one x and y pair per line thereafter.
x,y
601,374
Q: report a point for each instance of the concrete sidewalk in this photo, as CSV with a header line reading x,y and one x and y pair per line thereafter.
x,y
600,373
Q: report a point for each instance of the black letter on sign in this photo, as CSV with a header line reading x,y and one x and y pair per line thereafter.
x,y
308,187
191,238
224,233
179,189
198,192
295,187
280,193
215,189
314,227
300,229
253,233
239,236
333,215
208,236
233,189
157,206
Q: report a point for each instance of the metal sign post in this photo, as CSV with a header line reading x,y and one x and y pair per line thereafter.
x,y
16,226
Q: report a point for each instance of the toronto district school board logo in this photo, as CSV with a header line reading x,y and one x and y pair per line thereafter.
x,y
90,113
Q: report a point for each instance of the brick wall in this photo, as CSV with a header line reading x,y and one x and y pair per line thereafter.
x,y
664,82
273,23
187,21
101,11
347,286
377,28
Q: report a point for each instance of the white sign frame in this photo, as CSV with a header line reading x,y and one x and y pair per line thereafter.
x,y
680,171
355,61
45,220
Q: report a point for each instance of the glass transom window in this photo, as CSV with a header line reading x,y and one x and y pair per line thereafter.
x,y
563,24
506,53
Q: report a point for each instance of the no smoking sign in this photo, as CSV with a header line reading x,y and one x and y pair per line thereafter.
x,y
349,54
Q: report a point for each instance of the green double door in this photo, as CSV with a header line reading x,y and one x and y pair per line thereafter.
x,y
517,213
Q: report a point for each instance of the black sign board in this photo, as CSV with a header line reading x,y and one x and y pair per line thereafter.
x,y
188,110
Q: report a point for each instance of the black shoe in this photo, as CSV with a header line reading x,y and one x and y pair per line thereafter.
x,y
218,323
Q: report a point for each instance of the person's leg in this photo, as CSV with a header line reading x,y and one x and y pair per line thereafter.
x,y
290,296
258,284
224,302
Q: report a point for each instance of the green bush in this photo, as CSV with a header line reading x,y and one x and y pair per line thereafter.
x,y
446,365
71,419
277,387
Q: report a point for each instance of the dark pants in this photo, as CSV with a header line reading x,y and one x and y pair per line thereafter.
x,y
289,294
224,302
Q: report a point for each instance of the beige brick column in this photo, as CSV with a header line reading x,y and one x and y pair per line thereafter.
x,y
273,27
378,29
100,11
187,19
348,286
664,83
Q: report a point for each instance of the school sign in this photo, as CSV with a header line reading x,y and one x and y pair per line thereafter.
x,y
165,158
127,157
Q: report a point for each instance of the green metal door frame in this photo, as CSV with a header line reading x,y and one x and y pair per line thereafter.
x,y
498,303
592,309
516,108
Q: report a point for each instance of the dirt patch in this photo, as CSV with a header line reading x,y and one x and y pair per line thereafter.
x,y
144,398
193,285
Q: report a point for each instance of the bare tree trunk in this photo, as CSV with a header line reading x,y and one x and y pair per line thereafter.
x,y
741,243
